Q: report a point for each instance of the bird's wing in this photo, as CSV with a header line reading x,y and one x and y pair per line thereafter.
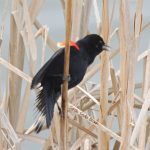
x,y
41,73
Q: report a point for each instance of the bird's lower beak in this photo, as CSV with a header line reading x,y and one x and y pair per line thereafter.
x,y
106,48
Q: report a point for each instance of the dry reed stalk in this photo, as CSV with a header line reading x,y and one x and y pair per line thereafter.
x,y
103,100
1,36
115,31
28,23
4,103
114,81
97,15
94,122
78,142
142,114
32,138
103,143
76,19
44,44
57,127
130,88
142,135
126,73
138,26
64,104
49,142
87,131
143,55
30,38
88,106
39,32
23,110
50,42
89,92
87,144
63,5
89,95
20,56
86,9
35,8
138,99
147,25
4,15
147,147
1,140
132,57
8,133
146,85
15,70
116,101
112,15
15,81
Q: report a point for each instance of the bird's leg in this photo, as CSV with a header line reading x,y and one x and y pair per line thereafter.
x,y
59,109
64,78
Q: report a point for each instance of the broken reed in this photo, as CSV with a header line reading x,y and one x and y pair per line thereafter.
x,y
114,96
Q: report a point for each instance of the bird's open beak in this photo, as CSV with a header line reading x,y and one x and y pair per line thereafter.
x,y
106,47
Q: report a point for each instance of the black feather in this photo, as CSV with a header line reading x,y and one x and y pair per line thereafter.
x,y
41,73
38,127
46,99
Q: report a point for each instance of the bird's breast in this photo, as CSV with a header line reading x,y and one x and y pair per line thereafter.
x,y
77,71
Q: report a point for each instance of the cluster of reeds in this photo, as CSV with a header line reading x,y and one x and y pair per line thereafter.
x,y
106,115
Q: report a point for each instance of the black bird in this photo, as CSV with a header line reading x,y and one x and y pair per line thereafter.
x,y
50,76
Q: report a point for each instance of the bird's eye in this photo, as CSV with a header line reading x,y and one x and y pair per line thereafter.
x,y
100,42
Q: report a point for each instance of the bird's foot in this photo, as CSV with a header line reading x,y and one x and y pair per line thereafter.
x,y
59,109
66,78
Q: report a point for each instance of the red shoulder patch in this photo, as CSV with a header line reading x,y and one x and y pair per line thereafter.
x,y
75,45
62,44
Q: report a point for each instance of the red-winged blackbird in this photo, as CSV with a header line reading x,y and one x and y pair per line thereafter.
x,y
50,76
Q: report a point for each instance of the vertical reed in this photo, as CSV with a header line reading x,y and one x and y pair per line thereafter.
x,y
104,74
64,103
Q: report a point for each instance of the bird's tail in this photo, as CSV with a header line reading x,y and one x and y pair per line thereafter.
x,y
45,102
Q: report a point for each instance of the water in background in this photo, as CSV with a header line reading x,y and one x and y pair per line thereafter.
x,y
52,16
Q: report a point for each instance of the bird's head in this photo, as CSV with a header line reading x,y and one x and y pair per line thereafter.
x,y
96,43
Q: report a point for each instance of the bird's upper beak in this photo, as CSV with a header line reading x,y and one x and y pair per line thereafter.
x,y
106,47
